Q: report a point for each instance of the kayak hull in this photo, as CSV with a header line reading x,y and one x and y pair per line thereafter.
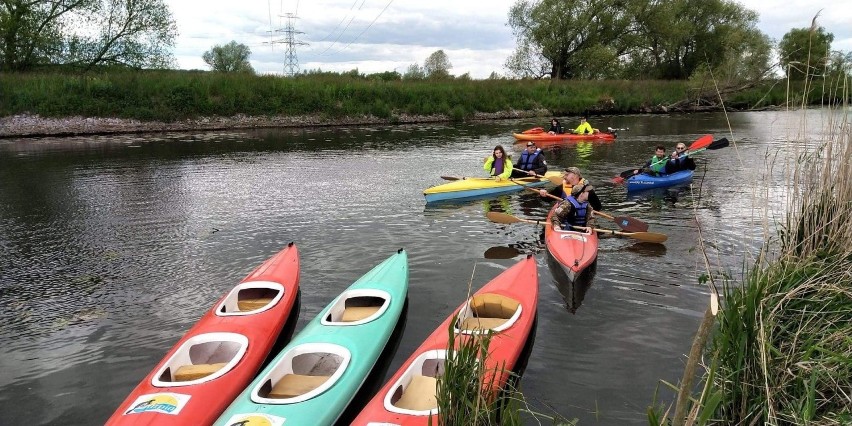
x,y
644,181
337,351
246,327
480,187
547,137
574,251
518,283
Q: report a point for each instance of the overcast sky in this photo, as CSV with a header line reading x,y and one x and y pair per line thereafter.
x,y
385,35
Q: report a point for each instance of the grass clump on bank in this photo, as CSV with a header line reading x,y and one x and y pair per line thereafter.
x,y
781,353
162,95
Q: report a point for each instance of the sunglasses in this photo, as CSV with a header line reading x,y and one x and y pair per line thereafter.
x,y
680,148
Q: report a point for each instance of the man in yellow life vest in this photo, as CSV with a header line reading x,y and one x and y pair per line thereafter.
x,y
585,128
571,177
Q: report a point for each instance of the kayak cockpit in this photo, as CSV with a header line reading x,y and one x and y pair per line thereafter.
x,y
304,372
355,307
415,393
202,358
250,298
488,311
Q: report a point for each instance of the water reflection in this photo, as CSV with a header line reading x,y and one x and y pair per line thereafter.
x,y
573,291
501,252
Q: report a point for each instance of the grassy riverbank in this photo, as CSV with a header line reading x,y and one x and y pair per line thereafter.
x,y
780,352
177,95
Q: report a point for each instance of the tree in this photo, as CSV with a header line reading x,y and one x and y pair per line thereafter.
x,y
566,34
85,33
437,65
232,57
805,51
414,72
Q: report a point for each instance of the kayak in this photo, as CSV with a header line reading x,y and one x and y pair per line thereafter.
x,y
221,354
538,134
574,251
645,181
478,187
506,306
314,378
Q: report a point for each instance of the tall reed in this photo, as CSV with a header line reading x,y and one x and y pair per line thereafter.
x,y
782,350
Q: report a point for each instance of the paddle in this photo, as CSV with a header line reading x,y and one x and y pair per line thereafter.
x,y
702,143
611,130
651,237
626,223
556,180
452,178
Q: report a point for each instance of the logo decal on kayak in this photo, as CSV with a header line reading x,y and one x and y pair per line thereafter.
x,y
164,403
572,237
255,419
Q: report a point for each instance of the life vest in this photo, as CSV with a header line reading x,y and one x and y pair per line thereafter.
x,y
657,165
580,210
528,161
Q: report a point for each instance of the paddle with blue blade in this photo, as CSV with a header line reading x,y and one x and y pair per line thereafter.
x,y
626,223
651,237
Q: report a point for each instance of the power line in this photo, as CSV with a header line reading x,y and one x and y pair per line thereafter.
x,y
368,27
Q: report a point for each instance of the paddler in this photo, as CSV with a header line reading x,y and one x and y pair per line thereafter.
x,y
498,164
572,177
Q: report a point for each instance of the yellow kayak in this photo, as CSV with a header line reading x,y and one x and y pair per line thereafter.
x,y
477,187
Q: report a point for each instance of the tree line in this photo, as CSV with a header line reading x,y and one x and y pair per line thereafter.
x,y
557,39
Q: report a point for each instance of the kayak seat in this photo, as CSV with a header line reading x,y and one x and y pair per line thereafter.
x,y
420,394
190,372
293,385
489,311
357,313
246,305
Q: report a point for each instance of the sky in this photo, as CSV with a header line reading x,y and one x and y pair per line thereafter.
x,y
387,35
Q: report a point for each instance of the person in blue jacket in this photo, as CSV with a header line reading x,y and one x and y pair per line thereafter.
x,y
531,162
575,211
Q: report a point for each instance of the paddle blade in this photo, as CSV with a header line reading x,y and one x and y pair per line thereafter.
x,y
701,142
499,217
719,144
451,178
629,224
626,174
651,237
618,180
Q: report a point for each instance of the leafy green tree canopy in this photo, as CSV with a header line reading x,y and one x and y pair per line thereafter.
x,y
85,33
805,51
437,65
232,57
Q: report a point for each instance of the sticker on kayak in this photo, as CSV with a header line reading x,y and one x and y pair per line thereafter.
x,y
572,237
165,403
255,419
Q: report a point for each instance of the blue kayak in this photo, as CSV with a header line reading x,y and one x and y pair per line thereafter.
x,y
645,181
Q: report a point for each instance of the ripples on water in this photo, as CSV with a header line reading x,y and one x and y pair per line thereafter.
x,y
113,246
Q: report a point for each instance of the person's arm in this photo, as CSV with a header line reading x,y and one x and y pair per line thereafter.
x,y
541,164
594,201
488,163
690,163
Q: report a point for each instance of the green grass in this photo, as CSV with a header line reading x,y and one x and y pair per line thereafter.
x,y
176,95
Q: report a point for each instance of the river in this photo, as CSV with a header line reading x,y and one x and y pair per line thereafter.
x,y
111,247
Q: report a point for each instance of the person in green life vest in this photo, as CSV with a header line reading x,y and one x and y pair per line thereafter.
x,y
498,164
585,128
657,164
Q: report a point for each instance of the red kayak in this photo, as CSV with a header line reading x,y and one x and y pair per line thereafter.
x,y
219,356
573,250
537,134
506,305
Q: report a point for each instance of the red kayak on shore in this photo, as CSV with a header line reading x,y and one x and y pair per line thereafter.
x,y
538,134
506,305
573,250
219,356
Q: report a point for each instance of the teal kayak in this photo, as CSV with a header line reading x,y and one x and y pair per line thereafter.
x,y
313,379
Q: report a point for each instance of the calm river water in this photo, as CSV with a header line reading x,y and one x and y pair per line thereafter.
x,y
111,247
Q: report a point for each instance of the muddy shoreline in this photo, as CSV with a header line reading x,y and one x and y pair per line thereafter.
x,y
33,126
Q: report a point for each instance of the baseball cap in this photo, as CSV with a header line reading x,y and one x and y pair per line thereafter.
x,y
530,143
574,170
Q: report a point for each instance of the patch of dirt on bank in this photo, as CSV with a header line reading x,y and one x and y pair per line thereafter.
x,y
33,125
